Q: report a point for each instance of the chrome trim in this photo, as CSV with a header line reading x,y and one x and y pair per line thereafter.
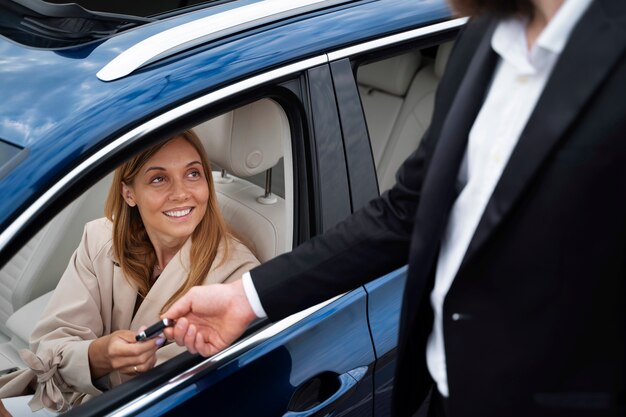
x,y
203,30
227,354
393,39
9,233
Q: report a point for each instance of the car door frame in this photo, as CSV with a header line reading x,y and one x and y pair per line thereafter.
x,y
385,293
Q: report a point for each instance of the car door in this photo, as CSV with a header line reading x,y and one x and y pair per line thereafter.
x,y
317,362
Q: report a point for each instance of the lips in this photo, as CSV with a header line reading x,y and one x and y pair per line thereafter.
x,y
178,213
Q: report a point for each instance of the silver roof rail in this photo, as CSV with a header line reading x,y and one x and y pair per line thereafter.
x,y
195,33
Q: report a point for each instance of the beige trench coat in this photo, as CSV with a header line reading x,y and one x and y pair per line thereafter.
x,y
94,299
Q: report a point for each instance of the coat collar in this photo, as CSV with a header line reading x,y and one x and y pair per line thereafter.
x,y
594,47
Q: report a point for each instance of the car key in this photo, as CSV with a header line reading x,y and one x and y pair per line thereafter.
x,y
154,330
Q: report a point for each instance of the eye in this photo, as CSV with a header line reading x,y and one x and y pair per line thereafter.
x,y
157,180
194,173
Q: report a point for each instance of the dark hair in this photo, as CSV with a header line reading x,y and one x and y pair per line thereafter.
x,y
497,8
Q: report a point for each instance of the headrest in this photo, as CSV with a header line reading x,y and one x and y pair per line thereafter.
x,y
247,140
393,75
441,60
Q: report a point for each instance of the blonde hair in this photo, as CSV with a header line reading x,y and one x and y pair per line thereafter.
x,y
132,247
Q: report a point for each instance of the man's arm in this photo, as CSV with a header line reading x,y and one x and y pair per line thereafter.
x,y
374,240
369,243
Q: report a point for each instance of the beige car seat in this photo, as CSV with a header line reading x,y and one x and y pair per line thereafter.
x,y
28,279
245,142
383,86
391,144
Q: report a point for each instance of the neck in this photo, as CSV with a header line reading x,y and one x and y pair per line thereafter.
x,y
164,256
165,251
543,12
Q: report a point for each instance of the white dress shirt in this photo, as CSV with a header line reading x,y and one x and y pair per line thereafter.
x,y
517,84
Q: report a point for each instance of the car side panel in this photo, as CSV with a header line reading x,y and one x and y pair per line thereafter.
x,y
262,381
384,306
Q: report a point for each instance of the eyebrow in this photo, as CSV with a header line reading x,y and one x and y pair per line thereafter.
x,y
157,168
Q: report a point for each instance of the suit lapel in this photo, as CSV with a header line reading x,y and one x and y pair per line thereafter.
x,y
594,47
439,191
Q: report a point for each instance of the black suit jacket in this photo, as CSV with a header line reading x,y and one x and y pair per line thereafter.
x,y
540,296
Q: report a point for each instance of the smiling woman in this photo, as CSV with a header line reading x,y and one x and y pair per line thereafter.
x,y
158,199
163,233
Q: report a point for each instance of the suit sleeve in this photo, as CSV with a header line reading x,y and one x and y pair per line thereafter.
x,y
374,240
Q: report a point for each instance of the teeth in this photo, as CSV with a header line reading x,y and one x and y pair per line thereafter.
x,y
178,213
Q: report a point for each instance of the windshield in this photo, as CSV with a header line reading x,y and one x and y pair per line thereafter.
x,y
58,24
143,8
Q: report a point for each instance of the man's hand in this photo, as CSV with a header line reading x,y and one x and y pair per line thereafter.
x,y
210,318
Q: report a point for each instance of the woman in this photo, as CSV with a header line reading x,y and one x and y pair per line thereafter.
x,y
163,234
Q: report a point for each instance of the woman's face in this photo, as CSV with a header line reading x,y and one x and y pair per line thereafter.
x,y
171,193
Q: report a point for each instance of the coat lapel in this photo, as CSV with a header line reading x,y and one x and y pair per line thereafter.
x,y
439,191
124,298
594,47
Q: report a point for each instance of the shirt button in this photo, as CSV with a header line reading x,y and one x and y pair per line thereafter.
x,y
497,157
460,316
522,79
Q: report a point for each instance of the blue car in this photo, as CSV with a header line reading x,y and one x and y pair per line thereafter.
x,y
307,108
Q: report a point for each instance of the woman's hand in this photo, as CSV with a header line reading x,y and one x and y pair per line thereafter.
x,y
119,351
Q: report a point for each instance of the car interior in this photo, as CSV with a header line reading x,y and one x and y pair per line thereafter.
x,y
398,96
247,143
250,149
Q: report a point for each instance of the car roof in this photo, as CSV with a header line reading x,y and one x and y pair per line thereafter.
x,y
54,104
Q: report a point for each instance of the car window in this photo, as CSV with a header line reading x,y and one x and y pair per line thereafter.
x,y
397,94
250,151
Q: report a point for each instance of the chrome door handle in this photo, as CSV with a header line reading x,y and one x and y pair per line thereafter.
x,y
348,383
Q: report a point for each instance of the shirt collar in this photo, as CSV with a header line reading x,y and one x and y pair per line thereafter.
x,y
509,38
555,35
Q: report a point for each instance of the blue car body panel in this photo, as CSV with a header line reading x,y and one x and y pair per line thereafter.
x,y
286,362
56,108
384,307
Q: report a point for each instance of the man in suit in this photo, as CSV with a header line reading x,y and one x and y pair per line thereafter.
x,y
511,216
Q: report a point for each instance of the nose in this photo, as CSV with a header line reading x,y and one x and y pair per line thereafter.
x,y
179,191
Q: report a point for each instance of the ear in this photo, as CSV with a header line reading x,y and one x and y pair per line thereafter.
x,y
128,195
